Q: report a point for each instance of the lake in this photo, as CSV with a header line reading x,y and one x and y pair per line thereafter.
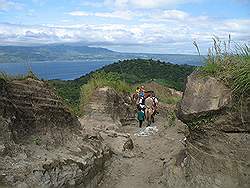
x,y
64,70
69,70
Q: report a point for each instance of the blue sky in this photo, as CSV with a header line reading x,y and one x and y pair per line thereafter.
x,y
154,26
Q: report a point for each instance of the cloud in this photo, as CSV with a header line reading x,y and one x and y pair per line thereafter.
x,y
6,5
145,4
170,29
153,3
170,14
79,13
126,15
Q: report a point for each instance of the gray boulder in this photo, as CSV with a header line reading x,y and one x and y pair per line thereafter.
x,y
203,96
217,148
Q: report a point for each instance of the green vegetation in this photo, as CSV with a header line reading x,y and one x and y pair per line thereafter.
x,y
29,74
140,70
230,65
133,72
102,79
171,118
165,94
69,91
171,100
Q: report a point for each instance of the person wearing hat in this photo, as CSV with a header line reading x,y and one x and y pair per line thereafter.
x,y
142,89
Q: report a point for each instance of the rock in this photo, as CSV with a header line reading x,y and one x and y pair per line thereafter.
x,y
128,154
106,106
217,149
118,144
105,113
42,144
203,95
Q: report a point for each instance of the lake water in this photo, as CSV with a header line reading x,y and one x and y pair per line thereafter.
x,y
68,70
64,70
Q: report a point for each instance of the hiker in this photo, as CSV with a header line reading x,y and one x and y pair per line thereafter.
x,y
141,102
140,117
141,108
149,109
137,91
155,106
142,89
135,95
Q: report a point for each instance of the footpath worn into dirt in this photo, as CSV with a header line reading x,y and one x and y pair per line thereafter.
x,y
144,166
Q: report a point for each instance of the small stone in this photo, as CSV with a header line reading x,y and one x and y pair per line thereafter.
x,y
162,158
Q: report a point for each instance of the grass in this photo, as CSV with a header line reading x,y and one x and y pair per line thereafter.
x,y
171,100
102,79
171,118
230,64
29,74
134,72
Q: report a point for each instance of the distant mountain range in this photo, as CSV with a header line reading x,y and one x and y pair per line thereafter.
x,y
15,54
69,52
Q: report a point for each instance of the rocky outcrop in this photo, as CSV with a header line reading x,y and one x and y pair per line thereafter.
x,y
105,113
106,105
203,96
218,144
41,143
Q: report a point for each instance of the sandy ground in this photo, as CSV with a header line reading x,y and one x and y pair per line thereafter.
x,y
145,167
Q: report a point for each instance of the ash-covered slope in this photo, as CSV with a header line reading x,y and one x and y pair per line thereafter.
x,y
41,142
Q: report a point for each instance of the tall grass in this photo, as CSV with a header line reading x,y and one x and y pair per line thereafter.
x,y
102,79
230,62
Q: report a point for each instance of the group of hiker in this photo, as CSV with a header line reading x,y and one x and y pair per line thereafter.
x,y
147,104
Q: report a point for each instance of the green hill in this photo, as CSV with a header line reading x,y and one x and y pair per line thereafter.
x,y
135,71
21,54
141,70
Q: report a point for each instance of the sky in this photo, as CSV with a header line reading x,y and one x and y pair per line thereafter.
x,y
150,26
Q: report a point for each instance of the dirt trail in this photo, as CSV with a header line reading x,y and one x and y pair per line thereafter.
x,y
145,167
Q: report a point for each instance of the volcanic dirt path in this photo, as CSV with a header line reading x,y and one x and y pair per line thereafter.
x,y
145,167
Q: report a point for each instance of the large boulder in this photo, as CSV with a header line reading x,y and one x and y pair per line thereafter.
x,y
41,143
107,105
217,147
203,95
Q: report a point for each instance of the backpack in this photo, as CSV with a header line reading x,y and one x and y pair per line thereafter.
x,y
154,101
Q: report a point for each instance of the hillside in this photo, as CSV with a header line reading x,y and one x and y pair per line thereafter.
x,y
80,52
141,70
134,72
13,54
